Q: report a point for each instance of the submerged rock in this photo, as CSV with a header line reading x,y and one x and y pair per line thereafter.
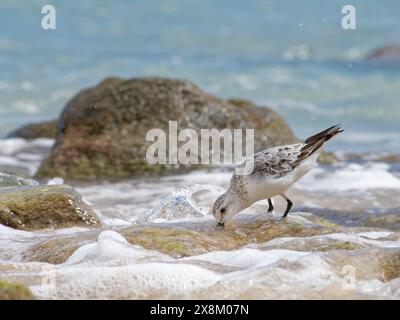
x,y
42,207
56,251
47,129
189,239
102,131
9,291
389,221
387,53
8,180
262,257
369,263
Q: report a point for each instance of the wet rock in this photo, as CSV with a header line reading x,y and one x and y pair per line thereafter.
x,y
308,244
47,129
102,130
390,265
328,158
56,251
42,207
9,179
258,257
391,158
389,221
189,239
377,157
368,263
9,291
388,52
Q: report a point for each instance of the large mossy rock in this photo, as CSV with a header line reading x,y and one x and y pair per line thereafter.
x,y
44,207
102,130
47,129
9,291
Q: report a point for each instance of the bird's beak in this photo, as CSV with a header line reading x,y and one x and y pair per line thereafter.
x,y
221,224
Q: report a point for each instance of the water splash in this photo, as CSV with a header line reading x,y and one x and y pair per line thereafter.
x,y
181,204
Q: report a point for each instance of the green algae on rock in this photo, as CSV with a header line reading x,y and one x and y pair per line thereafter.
x,y
102,130
390,265
9,291
188,239
369,263
388,220
42,207
47,129
56,251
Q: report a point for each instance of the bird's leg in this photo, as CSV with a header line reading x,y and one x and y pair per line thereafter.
x,y
270,206
289,205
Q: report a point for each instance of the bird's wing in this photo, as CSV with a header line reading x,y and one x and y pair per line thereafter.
x,y
278,161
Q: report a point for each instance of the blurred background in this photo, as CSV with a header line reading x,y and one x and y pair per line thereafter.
x,y
291,55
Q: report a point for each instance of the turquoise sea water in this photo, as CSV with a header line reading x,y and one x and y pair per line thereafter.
x,y
289,54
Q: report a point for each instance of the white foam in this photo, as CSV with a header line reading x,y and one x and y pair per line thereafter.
x,y
180,204
102,271
202,177
350,177
375,234
139,281
247,258
55,181
111,245
26,154
15,145
362,239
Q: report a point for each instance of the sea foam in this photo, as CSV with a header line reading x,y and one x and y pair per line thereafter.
x,y
350,177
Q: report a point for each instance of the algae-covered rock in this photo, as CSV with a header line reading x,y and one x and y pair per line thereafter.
x,y
41,207
389,221
102,131
189,239
328,158
374,262
390,265
8,180
56,251
9,291
47,129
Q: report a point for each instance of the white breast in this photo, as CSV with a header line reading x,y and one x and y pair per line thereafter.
x,y
264,186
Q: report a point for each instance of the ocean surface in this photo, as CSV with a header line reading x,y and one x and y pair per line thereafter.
x,y
291,55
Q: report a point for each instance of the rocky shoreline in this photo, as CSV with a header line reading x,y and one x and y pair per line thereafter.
x,y
254,240
100,143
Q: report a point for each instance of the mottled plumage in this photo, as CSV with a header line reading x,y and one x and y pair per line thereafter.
x,y
275,170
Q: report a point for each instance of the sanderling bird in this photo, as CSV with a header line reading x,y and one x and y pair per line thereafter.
x,y
273,172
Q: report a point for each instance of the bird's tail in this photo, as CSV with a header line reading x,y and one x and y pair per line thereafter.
x,y
315,142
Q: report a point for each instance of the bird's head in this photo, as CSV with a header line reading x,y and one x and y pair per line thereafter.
x,y
225,207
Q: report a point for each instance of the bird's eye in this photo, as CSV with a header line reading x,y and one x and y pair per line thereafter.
x,y
222,210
